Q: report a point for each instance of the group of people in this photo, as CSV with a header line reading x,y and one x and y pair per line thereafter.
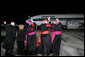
x,y
27,42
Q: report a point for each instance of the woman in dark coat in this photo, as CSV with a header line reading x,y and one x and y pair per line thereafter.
x,y
9,39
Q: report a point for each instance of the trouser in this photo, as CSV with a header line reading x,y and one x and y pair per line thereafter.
x,y
9,52
20,47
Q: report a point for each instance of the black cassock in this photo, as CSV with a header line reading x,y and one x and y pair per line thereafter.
x,y
57,38
9,39
31,39
20,41
45,40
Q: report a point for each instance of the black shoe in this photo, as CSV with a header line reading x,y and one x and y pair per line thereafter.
x,y
9,55
55,55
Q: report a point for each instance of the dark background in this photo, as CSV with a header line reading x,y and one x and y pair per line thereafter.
x,y
19,11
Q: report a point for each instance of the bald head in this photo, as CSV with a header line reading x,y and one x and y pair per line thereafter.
x,y
13,23
21,26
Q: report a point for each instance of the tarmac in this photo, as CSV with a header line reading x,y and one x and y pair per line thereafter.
x,y
72,43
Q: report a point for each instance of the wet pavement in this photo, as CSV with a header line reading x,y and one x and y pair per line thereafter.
x,y
72,43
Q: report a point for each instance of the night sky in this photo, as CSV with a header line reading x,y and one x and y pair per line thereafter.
x,y
19,10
